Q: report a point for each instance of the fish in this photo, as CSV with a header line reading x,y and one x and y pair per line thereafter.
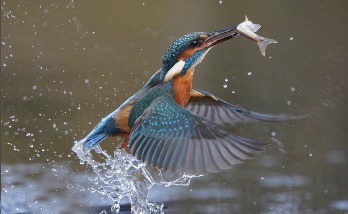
x,y
248,29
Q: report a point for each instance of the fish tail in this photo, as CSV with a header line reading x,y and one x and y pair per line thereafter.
x,y
263,44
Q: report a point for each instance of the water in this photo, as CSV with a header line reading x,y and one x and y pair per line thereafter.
x,y
65,65
122,175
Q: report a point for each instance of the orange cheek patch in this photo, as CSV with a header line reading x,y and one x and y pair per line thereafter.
x,y
203,36
187,53
190,51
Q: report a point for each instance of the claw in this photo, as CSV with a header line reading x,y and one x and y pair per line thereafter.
x,y
125,142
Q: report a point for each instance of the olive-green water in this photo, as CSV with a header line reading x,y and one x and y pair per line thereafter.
x,y
67,64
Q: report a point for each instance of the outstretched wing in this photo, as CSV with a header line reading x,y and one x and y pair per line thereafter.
x,y
170,137
220,111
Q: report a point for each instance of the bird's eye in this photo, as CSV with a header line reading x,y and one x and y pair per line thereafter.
x,y
195,43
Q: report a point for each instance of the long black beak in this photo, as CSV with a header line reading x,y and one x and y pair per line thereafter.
x,y
219,36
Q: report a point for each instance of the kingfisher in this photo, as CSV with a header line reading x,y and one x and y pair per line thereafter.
x,y
171,125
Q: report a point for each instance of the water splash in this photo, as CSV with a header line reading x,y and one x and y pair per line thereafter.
x,y
122,175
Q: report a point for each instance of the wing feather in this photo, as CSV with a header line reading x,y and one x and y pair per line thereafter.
x,y
172,138
221,112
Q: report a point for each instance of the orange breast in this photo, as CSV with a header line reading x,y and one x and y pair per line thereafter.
x,y
182,86
122,118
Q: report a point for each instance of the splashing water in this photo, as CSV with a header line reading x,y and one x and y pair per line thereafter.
x,y
122,175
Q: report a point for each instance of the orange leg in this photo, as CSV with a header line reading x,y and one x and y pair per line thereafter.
x,y
125,142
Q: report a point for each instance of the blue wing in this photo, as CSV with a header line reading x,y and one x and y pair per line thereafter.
x,y
170,137
220,111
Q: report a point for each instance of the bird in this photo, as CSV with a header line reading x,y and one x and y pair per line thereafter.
x,y
175,127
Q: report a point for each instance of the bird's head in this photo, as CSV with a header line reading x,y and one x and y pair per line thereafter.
x,y
189,50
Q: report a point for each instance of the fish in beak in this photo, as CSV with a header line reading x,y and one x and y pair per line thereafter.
x,y
248,29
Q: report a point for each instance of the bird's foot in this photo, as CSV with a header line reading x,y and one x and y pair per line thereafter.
x,y
125,142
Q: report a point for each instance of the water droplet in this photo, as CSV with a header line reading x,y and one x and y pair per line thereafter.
x,y
273,134
4,64
220,2
233,92
310,154
34,87
292,89
291,38
226,80
288,102
225,85
249,73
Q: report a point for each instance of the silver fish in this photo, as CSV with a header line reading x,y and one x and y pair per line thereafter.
x,y
248,29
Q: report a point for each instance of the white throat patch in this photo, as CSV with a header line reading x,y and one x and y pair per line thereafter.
x,y
199,60
177,68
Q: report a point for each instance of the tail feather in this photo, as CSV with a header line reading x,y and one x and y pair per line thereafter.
x,y
107,126
90,141
94,139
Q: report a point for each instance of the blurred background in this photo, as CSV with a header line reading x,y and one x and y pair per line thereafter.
x,y
67,64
